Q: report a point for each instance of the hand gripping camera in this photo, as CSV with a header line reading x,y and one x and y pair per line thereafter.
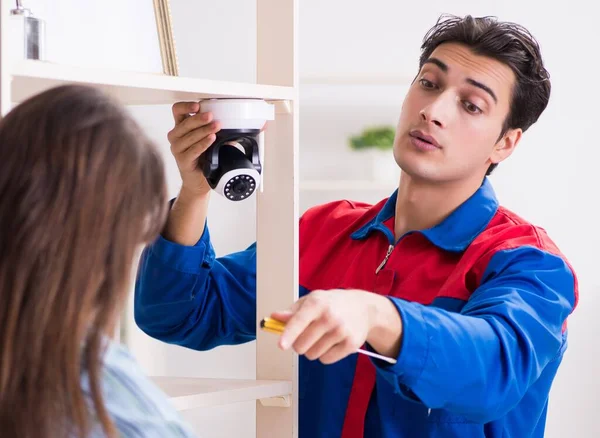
x,y
232,164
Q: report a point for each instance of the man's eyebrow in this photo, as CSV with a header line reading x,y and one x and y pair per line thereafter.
x,y
444,67
484,87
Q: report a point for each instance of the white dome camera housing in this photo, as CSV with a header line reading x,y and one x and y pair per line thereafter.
x,y
232,164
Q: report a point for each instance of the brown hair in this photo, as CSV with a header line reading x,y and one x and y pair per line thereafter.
x,y
508,43
81,187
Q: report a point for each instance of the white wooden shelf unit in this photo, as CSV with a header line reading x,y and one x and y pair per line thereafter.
x,y
275,387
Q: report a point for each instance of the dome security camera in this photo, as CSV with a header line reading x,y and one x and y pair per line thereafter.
x,y
232,164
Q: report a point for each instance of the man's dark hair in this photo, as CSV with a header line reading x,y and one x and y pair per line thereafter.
x,y
508,43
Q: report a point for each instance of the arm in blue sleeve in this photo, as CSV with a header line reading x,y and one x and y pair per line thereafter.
x,y
479,363
186,296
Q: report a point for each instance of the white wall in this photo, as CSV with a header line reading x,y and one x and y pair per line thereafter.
x,y
107,34
550,180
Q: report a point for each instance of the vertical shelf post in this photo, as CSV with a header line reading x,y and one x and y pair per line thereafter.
x,y
277,211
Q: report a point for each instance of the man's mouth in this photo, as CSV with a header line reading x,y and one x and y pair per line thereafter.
x,y
425,138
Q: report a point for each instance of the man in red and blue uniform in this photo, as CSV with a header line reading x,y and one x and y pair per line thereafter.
x,y
469,298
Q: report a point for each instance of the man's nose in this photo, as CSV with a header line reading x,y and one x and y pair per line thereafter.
x,y
439,110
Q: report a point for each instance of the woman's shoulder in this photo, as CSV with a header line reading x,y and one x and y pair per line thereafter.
x,y
135,404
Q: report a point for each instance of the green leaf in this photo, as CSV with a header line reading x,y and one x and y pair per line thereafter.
x,y
380,137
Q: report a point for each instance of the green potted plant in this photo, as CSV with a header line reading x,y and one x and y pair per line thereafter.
x,y
377,142
379,137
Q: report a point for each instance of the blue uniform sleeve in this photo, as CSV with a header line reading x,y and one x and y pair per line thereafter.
x,y
186,296
480,362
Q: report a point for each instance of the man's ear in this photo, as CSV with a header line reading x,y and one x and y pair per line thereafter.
x,y
506,145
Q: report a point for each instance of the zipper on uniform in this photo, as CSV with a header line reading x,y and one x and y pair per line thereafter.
x,y
387,256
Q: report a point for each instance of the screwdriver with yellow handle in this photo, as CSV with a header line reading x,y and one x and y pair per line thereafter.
x,y
276,327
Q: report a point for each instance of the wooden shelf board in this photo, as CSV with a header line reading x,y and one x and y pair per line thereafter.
x,y
132,88
189,393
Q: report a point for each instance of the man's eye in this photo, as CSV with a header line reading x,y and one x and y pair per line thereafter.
x,y
472,108
427,84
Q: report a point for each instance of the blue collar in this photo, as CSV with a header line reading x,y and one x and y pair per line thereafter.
x,y
456,232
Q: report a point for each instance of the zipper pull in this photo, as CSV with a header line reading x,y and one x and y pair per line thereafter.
x,y
387,256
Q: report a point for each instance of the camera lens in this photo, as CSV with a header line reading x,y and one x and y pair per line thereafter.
x,y
240,187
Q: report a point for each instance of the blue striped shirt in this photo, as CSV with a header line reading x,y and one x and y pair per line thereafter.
x,y
138,408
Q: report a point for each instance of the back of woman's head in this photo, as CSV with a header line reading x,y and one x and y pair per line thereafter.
x,y
81,188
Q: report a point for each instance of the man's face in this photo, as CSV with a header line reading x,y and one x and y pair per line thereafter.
x,y
453,115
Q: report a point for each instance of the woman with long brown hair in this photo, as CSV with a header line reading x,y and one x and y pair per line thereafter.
x,y
81,190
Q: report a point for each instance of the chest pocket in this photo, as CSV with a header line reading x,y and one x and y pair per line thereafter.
x,y
444,424
442,416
